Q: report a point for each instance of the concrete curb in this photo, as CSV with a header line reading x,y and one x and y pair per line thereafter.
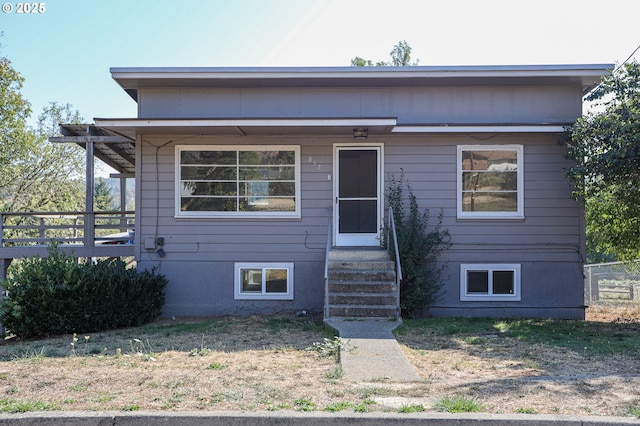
x,y
297,418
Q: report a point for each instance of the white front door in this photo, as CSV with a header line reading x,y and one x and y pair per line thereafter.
x,y
358,195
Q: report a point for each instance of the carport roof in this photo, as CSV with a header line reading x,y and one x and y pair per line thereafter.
x,y
114,148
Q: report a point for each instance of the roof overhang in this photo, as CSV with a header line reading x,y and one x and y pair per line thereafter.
x,y
584,75
130,127
482,128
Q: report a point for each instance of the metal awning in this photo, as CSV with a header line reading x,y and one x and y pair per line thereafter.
x,y
114,148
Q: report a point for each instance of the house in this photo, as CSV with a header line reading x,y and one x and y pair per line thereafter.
x,y
248,177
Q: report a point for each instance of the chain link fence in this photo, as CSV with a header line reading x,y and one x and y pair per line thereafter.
x,y
615,282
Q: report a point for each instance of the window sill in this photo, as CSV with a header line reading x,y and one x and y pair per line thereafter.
x,y
263,297
490,299
492,217
238,217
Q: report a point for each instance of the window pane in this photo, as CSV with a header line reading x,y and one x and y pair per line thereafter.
x,y
208,173
276,281
208,157
490,160
503,282
204,204
208,188
267,173
251,280
489,181
267,157
268,188
478,282
490,202
267,204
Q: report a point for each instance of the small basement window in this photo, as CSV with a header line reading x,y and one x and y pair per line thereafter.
x,y
264,281
480,282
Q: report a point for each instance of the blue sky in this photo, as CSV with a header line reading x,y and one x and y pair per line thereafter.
x,y
65,53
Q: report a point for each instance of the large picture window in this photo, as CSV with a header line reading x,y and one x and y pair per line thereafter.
x,y
489,282
267,281
251,181
490,181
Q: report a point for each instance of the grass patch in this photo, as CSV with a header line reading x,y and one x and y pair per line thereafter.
x,y
304,404
31,356
411,408
337,406
216,366
19,406
335,374
458,404
173,328
526,411
580,336
133,407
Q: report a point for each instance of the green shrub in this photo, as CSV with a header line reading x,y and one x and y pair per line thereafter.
x,y
419,250
59,295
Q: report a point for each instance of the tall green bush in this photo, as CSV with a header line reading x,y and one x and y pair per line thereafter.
x,y
419,249
58,295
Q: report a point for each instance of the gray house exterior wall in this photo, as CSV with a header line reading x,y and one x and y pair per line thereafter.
x,y
548,243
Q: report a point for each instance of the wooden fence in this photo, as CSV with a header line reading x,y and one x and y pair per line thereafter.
x,y
612,282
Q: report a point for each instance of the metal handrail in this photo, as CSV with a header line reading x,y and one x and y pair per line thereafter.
x,y
397,255
326,265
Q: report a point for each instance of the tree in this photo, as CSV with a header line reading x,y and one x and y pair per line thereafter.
x,y
605,146
14,112
400,56
36,175
103,199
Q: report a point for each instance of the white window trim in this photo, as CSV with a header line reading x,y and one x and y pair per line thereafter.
x,y
239,295
490,267
519,214
179,214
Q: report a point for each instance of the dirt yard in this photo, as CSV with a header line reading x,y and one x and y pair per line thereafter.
x,y
267,364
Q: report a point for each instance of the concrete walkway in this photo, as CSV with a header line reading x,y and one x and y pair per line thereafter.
x,y
371,352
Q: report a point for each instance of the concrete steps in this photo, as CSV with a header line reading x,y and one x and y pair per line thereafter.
x,y
362,284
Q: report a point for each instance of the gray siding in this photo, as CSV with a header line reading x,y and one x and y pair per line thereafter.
x,y
411,105
200,253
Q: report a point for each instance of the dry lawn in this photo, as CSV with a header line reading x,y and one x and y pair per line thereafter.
x,y
263,363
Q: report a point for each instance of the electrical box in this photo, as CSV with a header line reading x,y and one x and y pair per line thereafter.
x,y
149,243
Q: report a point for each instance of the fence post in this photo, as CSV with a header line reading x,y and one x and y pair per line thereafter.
x,y
635,292
42,233
593,293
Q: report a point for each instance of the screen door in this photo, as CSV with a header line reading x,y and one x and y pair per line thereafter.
x,y
357,188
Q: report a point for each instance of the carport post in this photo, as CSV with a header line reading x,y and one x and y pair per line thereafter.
x,y
90,217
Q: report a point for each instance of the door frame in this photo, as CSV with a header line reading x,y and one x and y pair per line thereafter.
x,y
368,240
